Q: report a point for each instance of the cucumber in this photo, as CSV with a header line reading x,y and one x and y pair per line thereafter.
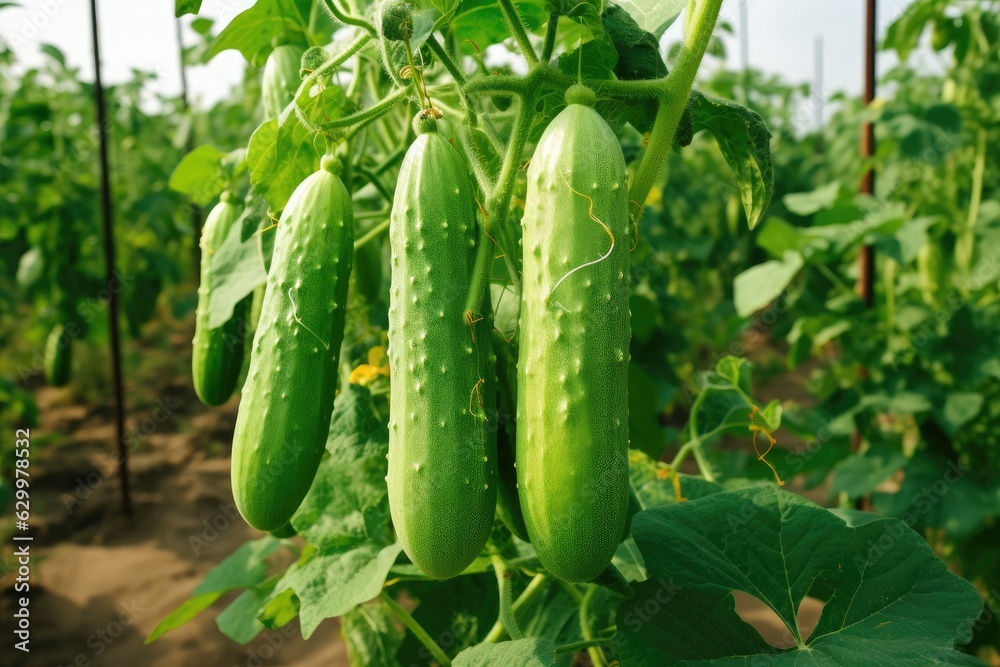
x,y
442,419
931,272
572,398
280,79
505,307
284,414
217,354
58,356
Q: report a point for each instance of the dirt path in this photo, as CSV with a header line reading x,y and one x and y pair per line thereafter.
x,y
100,583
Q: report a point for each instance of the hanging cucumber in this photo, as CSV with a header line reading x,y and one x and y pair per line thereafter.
x,y
217,354
505,307
288,397
58,356
442,421
572,410
281,77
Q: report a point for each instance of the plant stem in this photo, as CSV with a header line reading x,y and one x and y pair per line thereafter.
x,y
376,183
587,643
417,629
516,27
965,248
596,654
372,233
365,116
538,584
676,89
330,65
497,206
442,54
550,37
347,19
514,85
504,587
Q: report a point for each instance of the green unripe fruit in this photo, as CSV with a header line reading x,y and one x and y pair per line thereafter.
x,y
58,356
312,60
572,390
442,419
396,20
280,79
287,401
217,354
931,272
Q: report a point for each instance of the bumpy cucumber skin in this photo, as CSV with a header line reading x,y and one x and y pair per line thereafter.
x,y
280,79
287,400
58,357
217,354
572,411
442,457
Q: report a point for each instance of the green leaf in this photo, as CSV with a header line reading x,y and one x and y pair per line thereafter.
x,y
759,285
186,612
960,408
481,21
243,568
199,176
942,494
239,620
860,474
810,203
336,579
777,237
182,7
251,31
745,142
654,16
236,271
886,593
30,267
532,652
371,637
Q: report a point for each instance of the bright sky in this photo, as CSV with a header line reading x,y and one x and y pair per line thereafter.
x,y
141,35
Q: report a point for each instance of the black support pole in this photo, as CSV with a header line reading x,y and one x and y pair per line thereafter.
x,y
114,282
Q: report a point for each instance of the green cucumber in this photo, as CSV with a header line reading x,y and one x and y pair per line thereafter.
x,y
505,307
931,272
442,420
284,415
572,409
217,354
58,356
280,79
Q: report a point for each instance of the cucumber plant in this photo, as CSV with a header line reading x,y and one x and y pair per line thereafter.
x,y
498,444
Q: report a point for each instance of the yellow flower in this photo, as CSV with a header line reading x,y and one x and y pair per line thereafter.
x,y
377,366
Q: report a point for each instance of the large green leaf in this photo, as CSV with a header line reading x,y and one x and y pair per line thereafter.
x,y
888,598
198,175
532,652
654,16
244,567
759,285
371,637
745,142
236,270
182,7
251,31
